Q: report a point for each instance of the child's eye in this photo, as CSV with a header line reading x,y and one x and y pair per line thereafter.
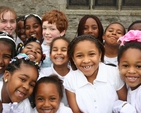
x,y
40,98
86,27
92,54
27,27
13,21
3,21
39,51
79,56
119,32
125,65
64,50
32,84
138,66
22,79
7,56
52,98
94,27
52,29
44,28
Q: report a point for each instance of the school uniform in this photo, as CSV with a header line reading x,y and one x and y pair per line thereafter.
x,y
110,61
62,109
22,107
46,50
50,70
133,104
99,96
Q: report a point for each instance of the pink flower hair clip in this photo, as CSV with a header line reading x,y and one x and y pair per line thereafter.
x,y
132,35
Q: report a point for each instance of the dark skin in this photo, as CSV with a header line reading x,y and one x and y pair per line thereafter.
x,y
0,106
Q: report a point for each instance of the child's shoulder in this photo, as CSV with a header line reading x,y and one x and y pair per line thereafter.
x,y
64,109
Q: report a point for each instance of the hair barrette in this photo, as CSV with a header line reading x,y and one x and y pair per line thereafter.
x,y
132,35
22,55
38,41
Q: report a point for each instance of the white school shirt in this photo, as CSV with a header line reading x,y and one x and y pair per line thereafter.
x,y
62,109
99,96
46,50
134,98
108,60
24,105
50,70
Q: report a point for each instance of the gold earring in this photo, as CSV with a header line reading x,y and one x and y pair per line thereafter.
x,y
5,80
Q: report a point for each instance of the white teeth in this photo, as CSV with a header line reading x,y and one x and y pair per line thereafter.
x,y
59,58
47,111
20,94
31,57
87,67
33,35
132,78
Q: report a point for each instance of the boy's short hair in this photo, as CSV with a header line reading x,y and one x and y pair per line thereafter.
x,y
57,17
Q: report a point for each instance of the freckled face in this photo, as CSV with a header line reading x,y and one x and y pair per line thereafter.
x,y
8,22
130,67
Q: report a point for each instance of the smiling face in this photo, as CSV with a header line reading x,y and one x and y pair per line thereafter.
x,y
34,51
59,54
86,58
20,83
91,27
8,22
130,67
33,28
112,34
47,99
21,31
5,55
50,32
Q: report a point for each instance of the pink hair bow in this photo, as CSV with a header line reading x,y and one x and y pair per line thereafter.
x,y
132,35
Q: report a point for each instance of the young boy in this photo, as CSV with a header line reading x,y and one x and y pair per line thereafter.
x,y
54,24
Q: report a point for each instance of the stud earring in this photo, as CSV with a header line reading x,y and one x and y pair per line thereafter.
x,y
5,80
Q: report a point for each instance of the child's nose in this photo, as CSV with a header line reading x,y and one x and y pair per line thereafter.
x,y
46,103
131,70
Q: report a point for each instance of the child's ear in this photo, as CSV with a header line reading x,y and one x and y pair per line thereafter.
x,y
63,33
6,76
103,37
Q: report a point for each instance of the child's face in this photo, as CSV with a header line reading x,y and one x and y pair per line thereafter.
x,y
5,56
130,67
59,52
91,27
33,28
86,58
21,31
47,98
20,83
34,51
50,32
8,22
112,34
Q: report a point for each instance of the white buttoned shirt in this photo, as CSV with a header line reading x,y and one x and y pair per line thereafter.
x,y
99,96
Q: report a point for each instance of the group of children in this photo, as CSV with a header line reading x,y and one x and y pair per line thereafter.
x,y
89,74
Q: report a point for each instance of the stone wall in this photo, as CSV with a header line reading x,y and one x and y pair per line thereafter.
x,y
23,7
